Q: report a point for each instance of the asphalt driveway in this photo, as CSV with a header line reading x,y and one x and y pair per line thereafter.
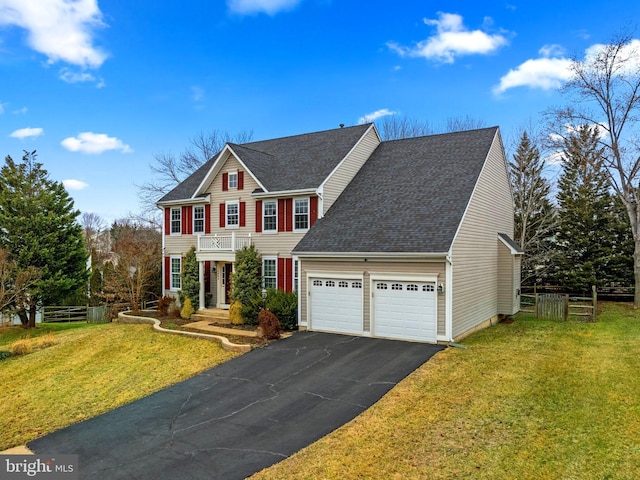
x,y
244,415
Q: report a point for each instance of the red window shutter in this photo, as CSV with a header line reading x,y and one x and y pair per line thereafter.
x,y
313,210
187,219
207,218
240,180
288,287
282,210
223,213
167,273
258,215
289,216
282,273
243,214
225,182
167,221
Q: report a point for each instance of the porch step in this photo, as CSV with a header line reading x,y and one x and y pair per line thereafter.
x,y
212,315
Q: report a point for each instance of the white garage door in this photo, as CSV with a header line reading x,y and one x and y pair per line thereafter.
x,y
336,305
405,310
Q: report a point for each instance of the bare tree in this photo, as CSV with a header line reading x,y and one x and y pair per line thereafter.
x,y
14,283
92,226
395,127
604,91
170,169
137,268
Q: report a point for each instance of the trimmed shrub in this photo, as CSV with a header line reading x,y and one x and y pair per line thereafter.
x,y
269,324
174,309
251,309
284,306
163,305
187,309
235,313
45,341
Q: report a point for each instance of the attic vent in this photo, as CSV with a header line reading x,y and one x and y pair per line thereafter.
x,y
342,125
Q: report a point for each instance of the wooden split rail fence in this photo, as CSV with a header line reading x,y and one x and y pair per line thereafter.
x,y
560,306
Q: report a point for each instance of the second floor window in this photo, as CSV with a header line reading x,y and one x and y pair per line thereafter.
x,y
198,219
233,180
176,226
233,214
301,214
270,223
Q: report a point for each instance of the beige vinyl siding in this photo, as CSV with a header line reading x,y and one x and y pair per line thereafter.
x,y
269,244
344,173
179,244
475,248
362,268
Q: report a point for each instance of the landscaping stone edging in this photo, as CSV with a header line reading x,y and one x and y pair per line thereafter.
x,y
224,341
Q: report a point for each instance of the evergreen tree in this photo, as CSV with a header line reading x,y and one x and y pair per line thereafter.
x,y
247,277
190,279
39,230
534,214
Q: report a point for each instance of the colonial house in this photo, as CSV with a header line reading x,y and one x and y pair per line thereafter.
x,y
407,239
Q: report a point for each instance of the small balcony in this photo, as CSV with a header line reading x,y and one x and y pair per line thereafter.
x,y
223,243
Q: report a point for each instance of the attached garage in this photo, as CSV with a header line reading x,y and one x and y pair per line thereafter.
x,y
404,310
336,304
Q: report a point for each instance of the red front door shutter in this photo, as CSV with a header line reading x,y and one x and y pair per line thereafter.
x,y
281,274
288,286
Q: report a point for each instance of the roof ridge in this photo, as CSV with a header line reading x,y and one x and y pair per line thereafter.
x,y
243,145
305,134
442,134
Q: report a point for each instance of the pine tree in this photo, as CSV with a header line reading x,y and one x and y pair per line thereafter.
x,y
39,230
190,279
534,214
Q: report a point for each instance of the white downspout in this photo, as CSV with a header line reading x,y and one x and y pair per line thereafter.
x,y
449,299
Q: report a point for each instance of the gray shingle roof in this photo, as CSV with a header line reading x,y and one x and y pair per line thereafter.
x,y
289,163
511,243
301,161
409,196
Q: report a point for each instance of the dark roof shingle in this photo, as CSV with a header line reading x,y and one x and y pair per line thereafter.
x,y
409,196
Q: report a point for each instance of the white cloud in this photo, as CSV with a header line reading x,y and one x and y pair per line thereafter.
x,y
270,7
71,184
2,108
453,39
21,111
77,77
23,133
370,117
89,142
628,59
545,72
60,29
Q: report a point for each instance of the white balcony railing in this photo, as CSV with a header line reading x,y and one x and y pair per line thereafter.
x,y
223,243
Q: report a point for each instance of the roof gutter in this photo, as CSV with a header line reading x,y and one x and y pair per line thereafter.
x,y
376,255
285,193
185,201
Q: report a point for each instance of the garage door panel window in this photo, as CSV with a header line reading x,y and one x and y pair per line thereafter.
x,y
381,286
356,284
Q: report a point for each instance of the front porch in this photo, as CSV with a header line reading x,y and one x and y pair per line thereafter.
x,y
216,256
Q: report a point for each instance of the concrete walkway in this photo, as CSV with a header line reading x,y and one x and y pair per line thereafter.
x,y
244,415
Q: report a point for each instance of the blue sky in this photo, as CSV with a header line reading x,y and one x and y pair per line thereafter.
x,y
100,87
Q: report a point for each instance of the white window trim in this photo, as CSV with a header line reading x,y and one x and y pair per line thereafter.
x,y
229,173
275,277
308,214
204,212
269,232
179,210
171,273
226,213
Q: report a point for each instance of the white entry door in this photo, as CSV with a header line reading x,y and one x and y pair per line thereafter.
x,y
336,305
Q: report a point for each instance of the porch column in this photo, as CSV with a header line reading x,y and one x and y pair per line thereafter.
x,y
201,280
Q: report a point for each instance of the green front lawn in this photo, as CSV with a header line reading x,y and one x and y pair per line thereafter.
x,y
529,400
91,369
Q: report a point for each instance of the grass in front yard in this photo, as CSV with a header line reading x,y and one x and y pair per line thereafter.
x,y
91,369
529,400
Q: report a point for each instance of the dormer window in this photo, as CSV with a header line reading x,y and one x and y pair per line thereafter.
x,y
233,180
